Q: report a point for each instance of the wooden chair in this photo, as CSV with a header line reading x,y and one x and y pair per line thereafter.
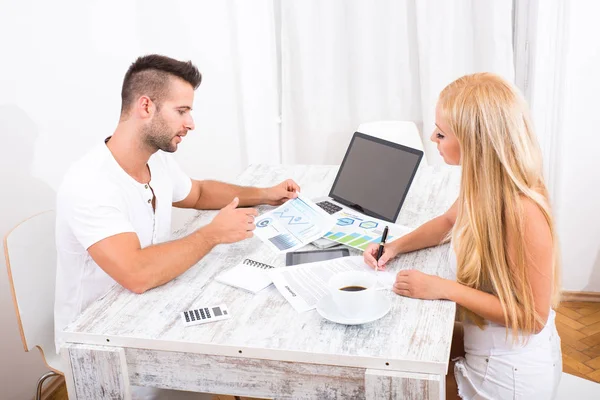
x,y
30,253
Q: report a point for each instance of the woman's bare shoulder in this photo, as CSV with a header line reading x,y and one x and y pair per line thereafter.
x,y
537,231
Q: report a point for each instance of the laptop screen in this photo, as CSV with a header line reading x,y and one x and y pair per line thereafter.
x,y
375,176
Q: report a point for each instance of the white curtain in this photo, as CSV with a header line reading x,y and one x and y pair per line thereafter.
x,y
256,72
562,66
347,62
544,35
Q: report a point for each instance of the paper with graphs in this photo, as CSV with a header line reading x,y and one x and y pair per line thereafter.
x,y
359,231
292,225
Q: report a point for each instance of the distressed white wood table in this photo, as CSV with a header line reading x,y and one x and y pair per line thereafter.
x,y
267,349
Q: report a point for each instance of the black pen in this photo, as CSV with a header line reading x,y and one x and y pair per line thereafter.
x,y
381,244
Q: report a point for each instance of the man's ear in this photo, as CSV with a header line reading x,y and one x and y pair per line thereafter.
x,y
145,107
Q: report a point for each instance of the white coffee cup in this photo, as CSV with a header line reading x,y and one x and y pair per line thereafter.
x,y
353,303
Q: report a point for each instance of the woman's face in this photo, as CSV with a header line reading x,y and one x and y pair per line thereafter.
x,y
447,143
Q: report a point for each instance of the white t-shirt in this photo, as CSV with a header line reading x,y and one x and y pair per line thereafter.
x,y
96,200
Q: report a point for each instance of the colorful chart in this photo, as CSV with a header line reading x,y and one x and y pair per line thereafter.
x,y
355,239
360,231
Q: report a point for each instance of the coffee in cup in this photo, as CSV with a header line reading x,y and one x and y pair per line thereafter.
x,y
353,292
353,288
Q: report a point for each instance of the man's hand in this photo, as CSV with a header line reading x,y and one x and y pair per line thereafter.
x,y
281,193
233,224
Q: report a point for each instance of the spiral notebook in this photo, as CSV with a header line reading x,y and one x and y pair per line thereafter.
x,y
249,275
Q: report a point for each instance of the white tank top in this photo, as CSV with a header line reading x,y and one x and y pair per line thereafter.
x,y
493,339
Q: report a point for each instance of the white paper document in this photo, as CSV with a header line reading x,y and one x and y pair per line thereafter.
x,y
293,225
304,285
359,231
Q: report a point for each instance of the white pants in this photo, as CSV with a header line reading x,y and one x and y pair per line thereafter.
x,y
533,373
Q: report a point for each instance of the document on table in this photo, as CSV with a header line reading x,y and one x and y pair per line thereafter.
x,y
304,285
292,225
359,231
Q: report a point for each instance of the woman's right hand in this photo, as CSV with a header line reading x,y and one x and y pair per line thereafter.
x,y
371,252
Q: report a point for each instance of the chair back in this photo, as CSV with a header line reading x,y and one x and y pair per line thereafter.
x,y
30,252
401,132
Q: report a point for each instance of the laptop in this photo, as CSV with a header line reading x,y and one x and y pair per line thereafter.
x,y
373,180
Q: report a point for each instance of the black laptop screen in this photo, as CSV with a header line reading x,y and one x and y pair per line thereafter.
x,y
375,175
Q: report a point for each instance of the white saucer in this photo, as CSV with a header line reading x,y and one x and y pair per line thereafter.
x,y
328,310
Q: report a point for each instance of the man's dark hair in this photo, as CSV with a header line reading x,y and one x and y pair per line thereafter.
x,y
149,75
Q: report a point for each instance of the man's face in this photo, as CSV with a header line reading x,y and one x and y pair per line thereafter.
x,y
172,119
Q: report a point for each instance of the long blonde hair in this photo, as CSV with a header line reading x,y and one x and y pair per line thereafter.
x,y
501,164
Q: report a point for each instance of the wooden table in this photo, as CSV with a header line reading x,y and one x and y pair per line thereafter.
x,y
267,349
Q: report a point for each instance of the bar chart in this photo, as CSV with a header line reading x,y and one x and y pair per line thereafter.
x,y
355,239
359,231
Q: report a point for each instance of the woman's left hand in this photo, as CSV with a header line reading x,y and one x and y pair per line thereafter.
x,y
416,284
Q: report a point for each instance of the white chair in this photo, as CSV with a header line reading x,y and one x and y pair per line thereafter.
x,y
574,387
31,262
30,251
401,132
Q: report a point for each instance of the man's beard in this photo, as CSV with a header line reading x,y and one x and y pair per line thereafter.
x,y
157,136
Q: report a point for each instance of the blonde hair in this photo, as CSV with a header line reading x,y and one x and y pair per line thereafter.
x,y
501,164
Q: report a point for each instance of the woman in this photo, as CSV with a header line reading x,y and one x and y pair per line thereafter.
x,y
503,238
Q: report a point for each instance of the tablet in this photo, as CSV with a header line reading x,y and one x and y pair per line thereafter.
x,y
302,257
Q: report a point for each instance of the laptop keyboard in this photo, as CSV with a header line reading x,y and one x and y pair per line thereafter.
x,y
329,207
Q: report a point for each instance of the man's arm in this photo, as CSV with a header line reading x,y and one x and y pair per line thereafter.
x,y
140,269
212,195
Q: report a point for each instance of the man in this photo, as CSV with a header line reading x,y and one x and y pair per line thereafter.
x,y
113,219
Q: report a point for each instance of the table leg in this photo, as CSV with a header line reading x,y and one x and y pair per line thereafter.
x,y
380,385
96,372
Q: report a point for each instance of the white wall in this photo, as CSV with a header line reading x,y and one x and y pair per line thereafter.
x,y
577,194
21,196
60,77
383,60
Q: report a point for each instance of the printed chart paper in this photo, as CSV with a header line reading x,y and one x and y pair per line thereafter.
x,y
292,225
359,231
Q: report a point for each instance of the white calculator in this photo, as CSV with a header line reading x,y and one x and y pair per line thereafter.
x,y
203,315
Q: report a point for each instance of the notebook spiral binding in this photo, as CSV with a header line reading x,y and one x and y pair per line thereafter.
x,y
256,264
